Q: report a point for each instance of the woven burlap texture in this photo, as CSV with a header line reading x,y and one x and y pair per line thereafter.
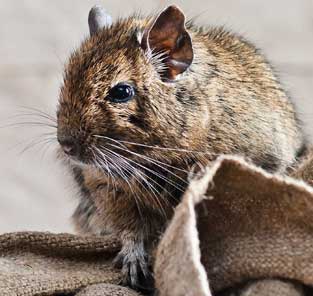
x,y
106,290
236,225
248,225
47,264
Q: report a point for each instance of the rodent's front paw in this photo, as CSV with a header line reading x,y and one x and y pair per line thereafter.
x,y
136,271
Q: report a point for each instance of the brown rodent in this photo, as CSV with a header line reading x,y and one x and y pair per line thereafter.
x,y
143,100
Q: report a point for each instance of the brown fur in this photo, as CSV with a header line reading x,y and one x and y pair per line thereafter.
x,y
227,102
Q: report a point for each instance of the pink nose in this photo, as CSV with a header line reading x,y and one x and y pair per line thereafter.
x,y
69,146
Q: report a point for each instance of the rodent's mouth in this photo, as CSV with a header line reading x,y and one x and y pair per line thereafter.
x,y
143,170
73,160
118,159
112,165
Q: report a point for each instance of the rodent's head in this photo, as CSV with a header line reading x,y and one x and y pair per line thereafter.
x,y
119,88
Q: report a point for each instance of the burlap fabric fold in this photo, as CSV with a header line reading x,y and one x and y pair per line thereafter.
x,y
34,263
238,231
236,225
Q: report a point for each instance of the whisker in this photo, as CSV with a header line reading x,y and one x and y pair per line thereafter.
x,y
154,191
149,158
145,168
124,177
182,189
35,143
39,112
27,141
153,162
169,181
28,123
33,115
107,166
156,147
46,146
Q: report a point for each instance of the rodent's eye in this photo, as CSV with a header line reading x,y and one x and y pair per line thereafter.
x,y
120,93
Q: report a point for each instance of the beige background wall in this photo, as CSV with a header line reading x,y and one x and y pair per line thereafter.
x,y
36,36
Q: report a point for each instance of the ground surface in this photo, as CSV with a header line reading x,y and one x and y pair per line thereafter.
x,y
36,36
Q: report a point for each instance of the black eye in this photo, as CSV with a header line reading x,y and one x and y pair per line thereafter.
x,y
121,93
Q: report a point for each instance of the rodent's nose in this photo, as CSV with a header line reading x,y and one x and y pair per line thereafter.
x,y
69,146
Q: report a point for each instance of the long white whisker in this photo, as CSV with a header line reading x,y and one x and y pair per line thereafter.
x,y
169,181
98,163
156,147
28,123
36,142
145,168
39,113
140,174
124,177
152,171
107,166
149,158
135,173
151,161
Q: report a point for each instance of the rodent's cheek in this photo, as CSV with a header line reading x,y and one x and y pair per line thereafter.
x,y
119,114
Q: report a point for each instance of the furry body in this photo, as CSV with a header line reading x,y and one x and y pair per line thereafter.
x,y
228,101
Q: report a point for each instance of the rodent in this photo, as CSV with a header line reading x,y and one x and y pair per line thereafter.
x,y
143,100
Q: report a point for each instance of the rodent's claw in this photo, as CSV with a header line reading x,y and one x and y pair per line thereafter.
x,y
135,269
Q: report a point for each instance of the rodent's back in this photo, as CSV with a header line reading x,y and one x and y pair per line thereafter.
x,y
249,112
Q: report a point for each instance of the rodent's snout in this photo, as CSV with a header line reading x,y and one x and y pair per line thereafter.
x,y
69,145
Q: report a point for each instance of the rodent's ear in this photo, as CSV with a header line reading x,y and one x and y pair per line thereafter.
x,y
98,19
167,37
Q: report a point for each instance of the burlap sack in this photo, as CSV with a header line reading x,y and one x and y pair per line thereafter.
x,y
238,231
245,224
106,290
47,264
271,288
